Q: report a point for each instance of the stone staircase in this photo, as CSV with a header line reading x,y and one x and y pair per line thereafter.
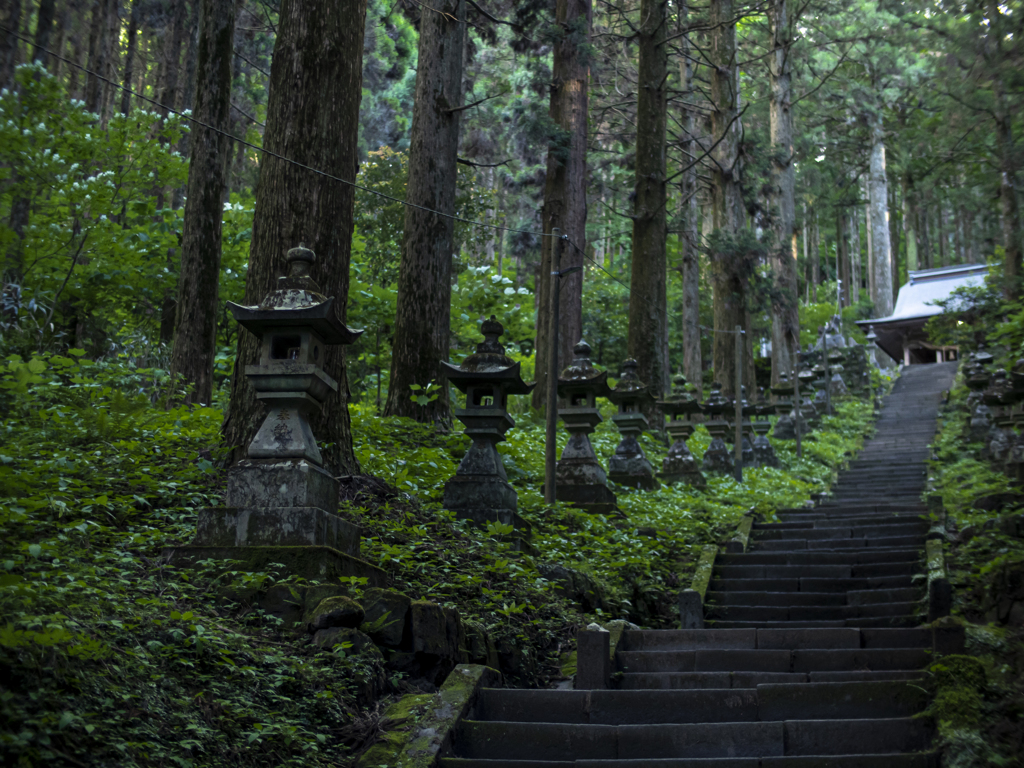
x,y
811,656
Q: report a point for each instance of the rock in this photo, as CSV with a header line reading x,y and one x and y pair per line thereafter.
x,y
387,617
456,634
335,612
429,629
315,595
480,646
284,601
575,585
332,636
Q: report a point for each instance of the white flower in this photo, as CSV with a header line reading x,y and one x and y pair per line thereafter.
x,y
510,291
522,291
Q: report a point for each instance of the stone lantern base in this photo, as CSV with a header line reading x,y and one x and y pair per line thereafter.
x,y
306,536
582,482
485,499
718,458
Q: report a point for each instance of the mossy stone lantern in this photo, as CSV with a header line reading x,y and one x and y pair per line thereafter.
x,y
281,504
764,454
785,427
718,457
480,490
629,466
295,324
681,466
579,477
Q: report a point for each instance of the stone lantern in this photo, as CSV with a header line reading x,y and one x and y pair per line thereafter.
x,y
718,457
681,466
579,477
808,412
836,385
999,398
764,454
629,466
480,490
746,428
281,504
785,427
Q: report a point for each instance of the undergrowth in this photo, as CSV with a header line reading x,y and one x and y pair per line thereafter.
x,y
109,656
979,702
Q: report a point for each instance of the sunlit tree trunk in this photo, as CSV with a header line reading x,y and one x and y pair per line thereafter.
x,y
422,323
313,119
648,311
856,265
565,186
881,294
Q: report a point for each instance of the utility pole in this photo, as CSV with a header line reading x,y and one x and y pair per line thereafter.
x,y
739,404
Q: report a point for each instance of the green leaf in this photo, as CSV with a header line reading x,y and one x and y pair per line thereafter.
x,y
35,550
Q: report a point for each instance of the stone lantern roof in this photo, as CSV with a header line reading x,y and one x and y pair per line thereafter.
x,y
488,364
297,301
581,373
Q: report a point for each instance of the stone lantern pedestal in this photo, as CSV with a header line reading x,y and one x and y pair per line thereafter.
x,y
785,426
629,465
764,454
579,477
681,466
281,506
480,490
718,457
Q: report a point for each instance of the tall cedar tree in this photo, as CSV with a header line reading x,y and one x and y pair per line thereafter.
x,y
880,238
648,314
423,320
728,273
690,240
196,318
565,187
313,119
10,18
785,317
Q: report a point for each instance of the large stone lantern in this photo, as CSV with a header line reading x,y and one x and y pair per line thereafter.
x,y
764,454
480,490
718,457
281,504
629,466
579,477
785,427
681,466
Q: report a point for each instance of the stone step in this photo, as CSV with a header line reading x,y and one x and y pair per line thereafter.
x,y
801,557
811,584
783,545
758,612
682,681
839,571
863,597
786,639
781,660
575,742
845,531
906,760
826,520
884,621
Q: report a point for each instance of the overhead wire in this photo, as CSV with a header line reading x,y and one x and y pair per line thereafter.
x,y
482,224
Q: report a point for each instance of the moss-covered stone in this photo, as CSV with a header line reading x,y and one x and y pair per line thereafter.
x,y
419,728
387,617
318,592
337,611
959,687
352,640
429,629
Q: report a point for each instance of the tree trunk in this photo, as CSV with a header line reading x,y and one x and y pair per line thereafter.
x,y
869,252
648,312
882,289
856,263
196,320
313,119
842,256
910,220
727,258
565,187
77,22
44,29
129,57
894,239
693,366
1008,207
815,256
10,17
422,324
785,314
97,62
